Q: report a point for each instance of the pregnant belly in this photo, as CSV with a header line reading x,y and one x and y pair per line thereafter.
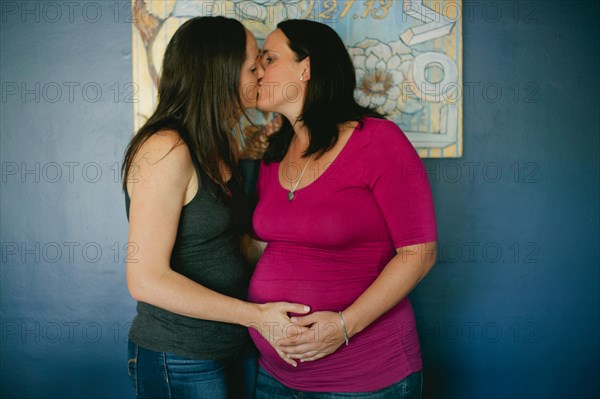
x,y
321,279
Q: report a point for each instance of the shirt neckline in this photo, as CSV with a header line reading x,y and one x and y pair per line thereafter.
x,y
326,171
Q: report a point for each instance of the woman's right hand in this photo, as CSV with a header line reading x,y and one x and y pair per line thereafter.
x,y
273,324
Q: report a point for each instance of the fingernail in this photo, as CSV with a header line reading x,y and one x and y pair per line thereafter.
x,y
307,308
294,319
288,355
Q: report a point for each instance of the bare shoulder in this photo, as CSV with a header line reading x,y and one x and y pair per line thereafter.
x,y
163,145
164,158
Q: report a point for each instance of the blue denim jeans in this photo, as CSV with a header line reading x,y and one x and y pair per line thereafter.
x,y
268,387
168,376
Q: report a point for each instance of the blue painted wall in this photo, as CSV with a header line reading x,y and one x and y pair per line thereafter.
x,y
509,311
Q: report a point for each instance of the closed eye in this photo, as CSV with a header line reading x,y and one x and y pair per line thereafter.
x,y
266,60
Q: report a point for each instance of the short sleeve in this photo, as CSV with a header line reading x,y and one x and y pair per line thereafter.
x,y
399,184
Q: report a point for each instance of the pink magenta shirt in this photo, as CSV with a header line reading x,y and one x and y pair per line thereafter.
x,y
328,245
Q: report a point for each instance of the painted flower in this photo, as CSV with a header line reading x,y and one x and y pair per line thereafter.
x,y
381,68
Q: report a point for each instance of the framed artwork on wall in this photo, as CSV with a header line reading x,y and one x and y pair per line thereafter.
x,y
407,55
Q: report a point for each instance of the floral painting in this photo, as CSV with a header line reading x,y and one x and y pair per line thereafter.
x,y
407,55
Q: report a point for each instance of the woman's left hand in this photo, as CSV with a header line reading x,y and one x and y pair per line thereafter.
x,y
323,338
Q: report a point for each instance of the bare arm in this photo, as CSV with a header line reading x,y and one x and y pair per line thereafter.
x,y
163,181
396,281
405,201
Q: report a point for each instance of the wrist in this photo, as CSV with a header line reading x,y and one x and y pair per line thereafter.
x,y
351,323
344,330
250,315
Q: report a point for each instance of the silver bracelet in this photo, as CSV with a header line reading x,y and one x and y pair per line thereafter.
x,y
344,328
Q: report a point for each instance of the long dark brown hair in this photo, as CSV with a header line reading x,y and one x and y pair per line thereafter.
x,y
199,95
329,99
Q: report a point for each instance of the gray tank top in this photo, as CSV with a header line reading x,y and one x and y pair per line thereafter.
x,y
206,250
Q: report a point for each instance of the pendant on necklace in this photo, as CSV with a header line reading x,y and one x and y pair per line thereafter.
x,y
290,195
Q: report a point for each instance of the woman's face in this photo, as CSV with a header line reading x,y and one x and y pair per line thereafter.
x,y
251,72
280,89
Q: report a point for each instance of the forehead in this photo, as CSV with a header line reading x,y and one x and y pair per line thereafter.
x,y
250,40
276,41
251,45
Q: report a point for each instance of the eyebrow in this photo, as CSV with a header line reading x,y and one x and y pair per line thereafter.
x,y
263,52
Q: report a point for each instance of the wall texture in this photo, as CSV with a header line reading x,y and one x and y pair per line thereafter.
x,y
509,311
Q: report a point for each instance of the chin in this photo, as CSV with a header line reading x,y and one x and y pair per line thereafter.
x,y
264,106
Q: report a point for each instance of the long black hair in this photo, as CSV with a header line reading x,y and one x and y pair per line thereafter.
x,y
199,95
329,99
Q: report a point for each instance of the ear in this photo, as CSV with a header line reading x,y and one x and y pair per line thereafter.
x,y
306,69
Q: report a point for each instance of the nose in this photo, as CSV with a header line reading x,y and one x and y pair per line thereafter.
x,y
260,71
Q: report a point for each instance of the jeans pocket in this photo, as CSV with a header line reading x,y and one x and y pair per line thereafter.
x,y
132,358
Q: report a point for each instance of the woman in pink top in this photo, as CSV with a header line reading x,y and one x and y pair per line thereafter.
x,y
346,211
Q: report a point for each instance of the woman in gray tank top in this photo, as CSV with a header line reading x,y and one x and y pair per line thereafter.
x,y
187,213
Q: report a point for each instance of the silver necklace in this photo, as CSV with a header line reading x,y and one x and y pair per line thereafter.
x,y
291,194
